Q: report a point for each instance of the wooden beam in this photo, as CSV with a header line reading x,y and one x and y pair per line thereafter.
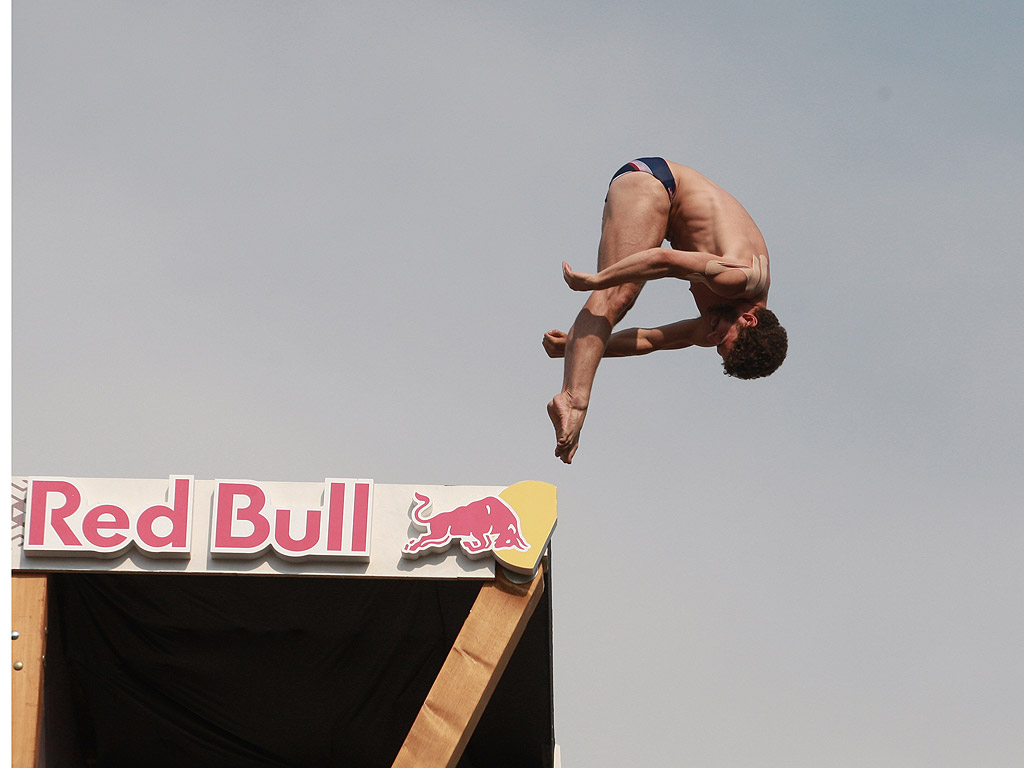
x,y
470,674
28,614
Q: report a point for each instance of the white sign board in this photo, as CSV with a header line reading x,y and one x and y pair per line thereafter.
x,y
344,527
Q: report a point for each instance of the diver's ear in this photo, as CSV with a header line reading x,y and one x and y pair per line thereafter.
x,y
748,319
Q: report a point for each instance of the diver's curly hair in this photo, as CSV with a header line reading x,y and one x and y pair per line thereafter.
x,y
759,349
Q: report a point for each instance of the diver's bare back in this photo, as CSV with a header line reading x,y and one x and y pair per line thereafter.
x,y
704,217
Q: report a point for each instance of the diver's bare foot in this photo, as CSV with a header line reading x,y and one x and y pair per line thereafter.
x,y
566,453
578,281
567,420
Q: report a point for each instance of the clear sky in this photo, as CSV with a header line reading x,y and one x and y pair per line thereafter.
x,y
298,240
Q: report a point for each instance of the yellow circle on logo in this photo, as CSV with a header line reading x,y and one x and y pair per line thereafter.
x,y
536,505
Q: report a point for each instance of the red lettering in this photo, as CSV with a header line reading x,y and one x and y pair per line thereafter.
x,y
360,518
244,520
227,511
40,490
282,532
178,513
335,516
94,523
348,536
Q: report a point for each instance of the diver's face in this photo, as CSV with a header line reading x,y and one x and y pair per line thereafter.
x,y
726,324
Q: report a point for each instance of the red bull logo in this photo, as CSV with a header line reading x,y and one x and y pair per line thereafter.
x,y
514,526
481,526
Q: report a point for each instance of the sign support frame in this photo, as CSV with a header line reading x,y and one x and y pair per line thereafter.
x,y
28,655
471,672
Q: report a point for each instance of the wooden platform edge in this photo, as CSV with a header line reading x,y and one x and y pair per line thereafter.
x,y
28,650
470,674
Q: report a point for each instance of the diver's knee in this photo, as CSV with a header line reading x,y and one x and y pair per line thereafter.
x,y
615,302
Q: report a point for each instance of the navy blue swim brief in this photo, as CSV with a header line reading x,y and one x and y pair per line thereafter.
x,y
655,166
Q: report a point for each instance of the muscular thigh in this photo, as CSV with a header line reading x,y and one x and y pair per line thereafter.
x,y
635,217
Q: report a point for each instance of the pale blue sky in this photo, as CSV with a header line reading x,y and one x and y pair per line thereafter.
x,y
291,241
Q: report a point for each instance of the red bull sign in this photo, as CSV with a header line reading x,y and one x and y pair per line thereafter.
x,y
339,526
60,521
245,522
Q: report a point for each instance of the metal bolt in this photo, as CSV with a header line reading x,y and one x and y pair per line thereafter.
x,y
15,635
18,665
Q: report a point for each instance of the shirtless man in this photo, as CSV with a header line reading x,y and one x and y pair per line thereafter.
x,y
715,246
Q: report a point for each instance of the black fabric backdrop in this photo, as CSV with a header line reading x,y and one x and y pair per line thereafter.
x,y
231,671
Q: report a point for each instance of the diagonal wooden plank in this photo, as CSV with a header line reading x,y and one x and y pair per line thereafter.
x,y
28,614
470,674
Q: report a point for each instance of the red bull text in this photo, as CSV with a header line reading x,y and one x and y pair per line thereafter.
x,y
245,521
